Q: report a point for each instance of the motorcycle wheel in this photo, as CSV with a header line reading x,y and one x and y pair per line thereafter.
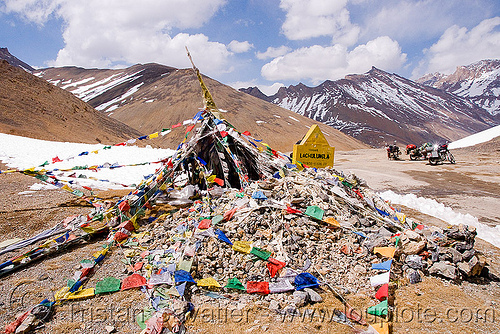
x,y
433,161
451,158
412,157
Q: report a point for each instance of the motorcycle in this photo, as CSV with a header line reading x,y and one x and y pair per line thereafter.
x,y
393,152
415,152
439,153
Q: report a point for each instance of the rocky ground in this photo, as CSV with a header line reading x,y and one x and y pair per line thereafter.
x,y
435,305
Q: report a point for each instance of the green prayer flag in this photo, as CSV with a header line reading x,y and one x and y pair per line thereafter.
x,y
144,316
380,309
70,283
217,219
315,212
109,284
234,283
264,255
44,164
106,147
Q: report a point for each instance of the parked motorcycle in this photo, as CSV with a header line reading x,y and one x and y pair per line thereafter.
x,y
439,153
415,153
393,152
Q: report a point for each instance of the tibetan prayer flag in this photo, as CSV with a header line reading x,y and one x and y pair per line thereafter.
x,y
133,281
222,237
259,195
223,134
109,284
217,219
242,246
56,159
386,265
382,292
220,182
291,210
189,128
380,327
258,287
331,221
380,279
181,288
274,266
153,135
208,283
176,125
229,214
385,251
305,280
315,212
280,286
80,294
204,224
380,309
260,253
235,283
246,133
183,276
124,206
142,137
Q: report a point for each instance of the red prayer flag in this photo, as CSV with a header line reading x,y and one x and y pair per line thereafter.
x,y
246,133
291,210
189,128
133,281
56,159
176,125
382,292
258,287
229,214
220,182
204,224
121,144
223,134
274,266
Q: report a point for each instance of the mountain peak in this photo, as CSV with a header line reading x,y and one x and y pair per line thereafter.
x,y
6,55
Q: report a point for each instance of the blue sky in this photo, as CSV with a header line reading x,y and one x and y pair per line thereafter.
x,y
264,43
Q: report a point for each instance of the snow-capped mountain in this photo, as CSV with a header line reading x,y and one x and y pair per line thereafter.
x,y
480,82
378,107
150,97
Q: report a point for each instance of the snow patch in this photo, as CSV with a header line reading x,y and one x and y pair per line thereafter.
x,y
439,210
477,138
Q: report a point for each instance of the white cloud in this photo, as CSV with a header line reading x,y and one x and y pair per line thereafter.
x,y
239,47
314,18
273,52
266,89
460,46
318,63
105,33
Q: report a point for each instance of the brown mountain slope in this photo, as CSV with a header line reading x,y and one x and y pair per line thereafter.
x,y
31,107
150,97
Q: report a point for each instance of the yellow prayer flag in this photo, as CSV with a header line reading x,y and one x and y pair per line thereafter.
x,y
331,221
208,282
153,135
242,246
385,251
85,293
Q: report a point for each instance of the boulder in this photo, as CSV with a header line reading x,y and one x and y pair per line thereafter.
x,y
300,298
413,247
443,269
313,295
